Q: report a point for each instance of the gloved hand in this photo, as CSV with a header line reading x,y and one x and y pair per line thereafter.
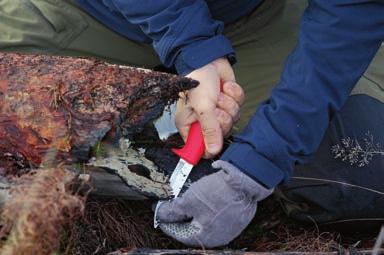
x,y
216,111
214,210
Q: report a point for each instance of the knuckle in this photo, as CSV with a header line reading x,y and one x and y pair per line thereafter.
x,y
227,119
242,98
233,104
203,107
238,92
210,133
235,109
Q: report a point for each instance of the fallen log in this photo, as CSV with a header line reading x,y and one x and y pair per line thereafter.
x,y
58,109
70,104
56,113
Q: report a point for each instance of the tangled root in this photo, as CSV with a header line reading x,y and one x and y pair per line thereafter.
x,y
39,209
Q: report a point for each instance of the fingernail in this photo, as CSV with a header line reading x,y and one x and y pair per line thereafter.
x,y
213,147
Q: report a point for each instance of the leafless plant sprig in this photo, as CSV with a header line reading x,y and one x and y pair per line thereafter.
x,y
351,151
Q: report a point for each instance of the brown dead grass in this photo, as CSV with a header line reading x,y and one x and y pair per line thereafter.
x,y
271,231
301,239
110,224
32,226
40,208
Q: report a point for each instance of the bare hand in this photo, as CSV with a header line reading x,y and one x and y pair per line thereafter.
x,y
216,111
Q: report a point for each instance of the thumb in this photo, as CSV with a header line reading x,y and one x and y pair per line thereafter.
x,y
212,132
172,211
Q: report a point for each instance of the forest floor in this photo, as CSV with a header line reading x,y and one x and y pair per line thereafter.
x,y
109,225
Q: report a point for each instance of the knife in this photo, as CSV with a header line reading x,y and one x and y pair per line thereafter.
x,y
165,125
189,155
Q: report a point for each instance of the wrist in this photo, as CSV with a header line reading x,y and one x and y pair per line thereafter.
x,y
240,181
201,53
247,159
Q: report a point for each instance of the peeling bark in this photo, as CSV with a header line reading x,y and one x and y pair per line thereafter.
x,y
137,172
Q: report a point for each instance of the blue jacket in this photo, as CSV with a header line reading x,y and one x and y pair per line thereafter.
x,y
337,41
183,32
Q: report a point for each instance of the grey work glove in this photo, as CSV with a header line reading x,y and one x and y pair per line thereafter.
x,y
214,210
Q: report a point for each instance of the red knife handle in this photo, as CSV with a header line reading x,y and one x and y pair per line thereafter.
x,y
194,148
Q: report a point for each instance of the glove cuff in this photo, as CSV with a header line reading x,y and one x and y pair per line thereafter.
x,y
239,180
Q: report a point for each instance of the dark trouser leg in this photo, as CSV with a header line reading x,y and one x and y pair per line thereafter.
x,y
59,27
330,190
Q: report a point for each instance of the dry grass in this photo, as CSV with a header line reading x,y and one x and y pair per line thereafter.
x,y
32,226
110,224
300,240
271,231
40,208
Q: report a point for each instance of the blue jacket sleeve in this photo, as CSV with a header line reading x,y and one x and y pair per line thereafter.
x,y
182,31
337,41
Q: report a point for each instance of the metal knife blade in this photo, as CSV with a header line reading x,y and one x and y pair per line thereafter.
x,y
165,125
189,155
180,176
177,181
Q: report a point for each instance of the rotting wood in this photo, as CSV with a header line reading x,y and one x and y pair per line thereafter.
x,y
134,169
106,184
232,252
69,104
57,109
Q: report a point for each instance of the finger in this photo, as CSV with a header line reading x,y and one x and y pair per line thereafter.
x,y
230,106
235,91
183,131
173,211
225,120
224,69
211,129
184,118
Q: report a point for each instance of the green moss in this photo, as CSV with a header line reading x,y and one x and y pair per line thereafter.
x,y
78,167
99,150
